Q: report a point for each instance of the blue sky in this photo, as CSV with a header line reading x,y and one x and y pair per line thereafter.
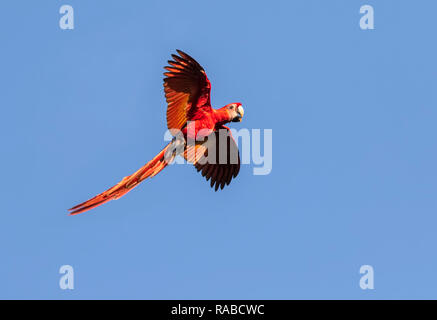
x,y
354,176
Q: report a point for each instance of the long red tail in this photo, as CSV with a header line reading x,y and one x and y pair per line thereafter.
x,y
150,169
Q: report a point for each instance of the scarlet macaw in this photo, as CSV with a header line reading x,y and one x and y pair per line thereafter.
x,y
190,116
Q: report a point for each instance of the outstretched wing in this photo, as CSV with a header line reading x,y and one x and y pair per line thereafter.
x,y
186,88
217,158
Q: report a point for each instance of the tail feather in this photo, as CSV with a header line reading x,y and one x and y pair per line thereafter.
x,y
149,170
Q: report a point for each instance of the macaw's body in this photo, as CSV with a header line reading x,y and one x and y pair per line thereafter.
x,y
198,131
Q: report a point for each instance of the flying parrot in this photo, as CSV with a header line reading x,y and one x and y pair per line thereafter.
x,y
199,131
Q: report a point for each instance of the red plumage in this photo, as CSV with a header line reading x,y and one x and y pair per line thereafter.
x,y
190,117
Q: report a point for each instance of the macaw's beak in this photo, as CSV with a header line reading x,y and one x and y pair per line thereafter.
x,y
240,113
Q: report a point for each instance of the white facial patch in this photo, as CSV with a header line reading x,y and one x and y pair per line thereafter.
x,y
240,110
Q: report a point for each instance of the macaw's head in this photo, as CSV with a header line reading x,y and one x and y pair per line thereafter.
x,y
235,111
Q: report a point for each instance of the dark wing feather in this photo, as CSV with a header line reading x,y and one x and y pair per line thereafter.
x,y
219,160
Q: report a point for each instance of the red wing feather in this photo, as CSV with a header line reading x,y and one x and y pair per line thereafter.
x,y
186,88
